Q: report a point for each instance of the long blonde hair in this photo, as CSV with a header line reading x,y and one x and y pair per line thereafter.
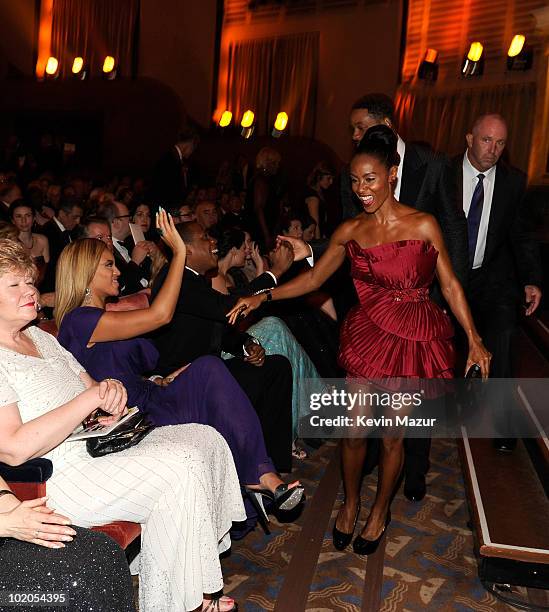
x,y
76,268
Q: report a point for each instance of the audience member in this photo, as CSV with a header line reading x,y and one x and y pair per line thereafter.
x,y
179,482
265,194
58,560
8,194
134,263
174,175
206,214
200,392
320,179
60,231
199,327
36,245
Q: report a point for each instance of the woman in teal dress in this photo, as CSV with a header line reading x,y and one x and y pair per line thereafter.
x,y
273,334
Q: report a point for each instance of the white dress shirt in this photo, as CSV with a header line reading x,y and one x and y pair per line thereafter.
x,y
470,181
401,150
62,227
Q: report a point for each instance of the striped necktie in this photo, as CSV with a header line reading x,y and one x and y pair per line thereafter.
x,y
474,216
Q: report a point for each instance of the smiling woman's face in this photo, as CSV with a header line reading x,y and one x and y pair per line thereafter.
x,y
105,281
18,298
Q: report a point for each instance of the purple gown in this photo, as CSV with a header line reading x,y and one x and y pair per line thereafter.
x,y
205,392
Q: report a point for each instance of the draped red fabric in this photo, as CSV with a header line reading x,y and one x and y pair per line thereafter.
x,y
270,75
94,29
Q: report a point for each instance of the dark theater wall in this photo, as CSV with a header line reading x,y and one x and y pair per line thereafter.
x,y
359,51
177,43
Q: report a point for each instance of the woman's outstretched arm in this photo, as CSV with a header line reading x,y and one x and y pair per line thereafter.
x,y
306,282
115,325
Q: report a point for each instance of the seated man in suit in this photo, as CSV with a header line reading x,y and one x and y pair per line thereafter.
x,y
199,327
60,231
133,262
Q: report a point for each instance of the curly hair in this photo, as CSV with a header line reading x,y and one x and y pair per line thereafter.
x,y
14,258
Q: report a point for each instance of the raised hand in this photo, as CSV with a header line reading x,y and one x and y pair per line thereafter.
x,y
168,232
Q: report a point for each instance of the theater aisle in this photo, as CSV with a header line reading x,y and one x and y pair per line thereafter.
x,y
426,562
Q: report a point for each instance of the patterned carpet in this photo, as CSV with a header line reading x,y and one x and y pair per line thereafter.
x,y
428,562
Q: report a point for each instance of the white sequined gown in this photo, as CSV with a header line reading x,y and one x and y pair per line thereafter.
x,y
180,483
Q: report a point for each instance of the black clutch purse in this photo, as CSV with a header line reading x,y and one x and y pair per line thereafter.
x,y
128,434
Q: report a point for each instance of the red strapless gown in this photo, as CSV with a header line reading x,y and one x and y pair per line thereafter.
x,y
395,330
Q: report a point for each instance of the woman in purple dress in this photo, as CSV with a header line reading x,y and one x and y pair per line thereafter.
x,y
108,344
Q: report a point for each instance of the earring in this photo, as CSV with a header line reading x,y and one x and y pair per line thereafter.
x,y
87,297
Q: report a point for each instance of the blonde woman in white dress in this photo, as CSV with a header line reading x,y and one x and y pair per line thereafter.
x,y
179,483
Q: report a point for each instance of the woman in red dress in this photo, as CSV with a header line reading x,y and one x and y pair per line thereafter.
x,y
395,330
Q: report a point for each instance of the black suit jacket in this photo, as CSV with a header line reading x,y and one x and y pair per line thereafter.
x,y
428,184
130,275
199,325
57,240
173,179
511,258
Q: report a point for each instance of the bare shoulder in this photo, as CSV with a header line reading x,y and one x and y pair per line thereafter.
x,y
40,239
347,230
426,226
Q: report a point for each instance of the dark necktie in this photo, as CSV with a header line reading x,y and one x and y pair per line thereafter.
x,y
473,218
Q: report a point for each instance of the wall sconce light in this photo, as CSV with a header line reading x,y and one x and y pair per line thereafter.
x,y
428,69
473,62
79,70
519,56
280,124
226,119
52,68
247,124
109,68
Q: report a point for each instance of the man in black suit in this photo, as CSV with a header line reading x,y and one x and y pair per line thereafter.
x,y
505,266
60,231
132,261
8,194
175,174
199,327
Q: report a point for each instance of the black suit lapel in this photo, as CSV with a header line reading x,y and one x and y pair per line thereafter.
x,y
413,173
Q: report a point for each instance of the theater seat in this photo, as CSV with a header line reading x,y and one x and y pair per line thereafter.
x,y
28,481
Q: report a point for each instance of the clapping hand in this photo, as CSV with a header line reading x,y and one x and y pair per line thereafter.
x,y
32,521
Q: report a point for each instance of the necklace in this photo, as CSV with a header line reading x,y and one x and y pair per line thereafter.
x,y
31,245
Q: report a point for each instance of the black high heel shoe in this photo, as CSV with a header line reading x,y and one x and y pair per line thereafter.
x,y
361,546
341,539
283,498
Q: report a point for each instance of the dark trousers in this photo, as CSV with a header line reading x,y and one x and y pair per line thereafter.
x,y
269,389
495,316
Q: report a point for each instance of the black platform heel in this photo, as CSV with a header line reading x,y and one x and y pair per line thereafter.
x,y
361,546
283,498
341,539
